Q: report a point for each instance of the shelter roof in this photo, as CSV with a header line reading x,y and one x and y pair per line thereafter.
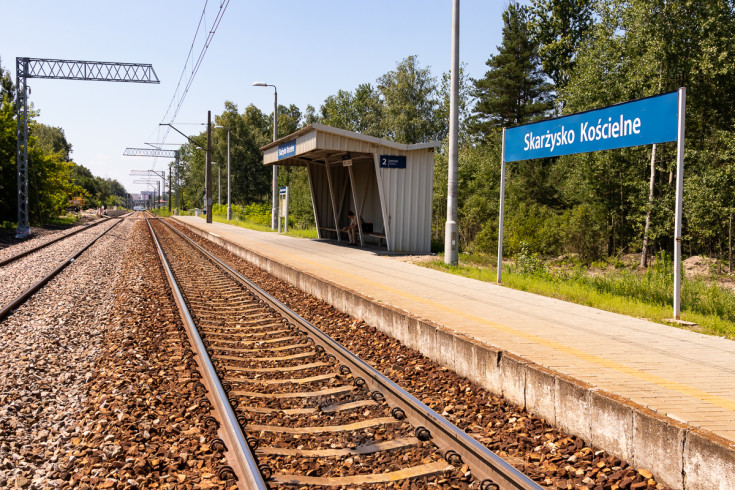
x,y
318,143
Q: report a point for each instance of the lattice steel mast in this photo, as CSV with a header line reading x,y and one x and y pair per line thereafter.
x,y
26,68
155,153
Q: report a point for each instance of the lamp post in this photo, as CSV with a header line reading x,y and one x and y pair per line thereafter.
x,y
229,206
274,211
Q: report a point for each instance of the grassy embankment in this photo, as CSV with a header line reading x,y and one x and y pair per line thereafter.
x,y
647,294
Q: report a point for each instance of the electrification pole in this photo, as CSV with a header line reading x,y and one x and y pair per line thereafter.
x,y
208,168
60,70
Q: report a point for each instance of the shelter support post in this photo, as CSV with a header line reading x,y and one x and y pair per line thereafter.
x,y
357,206
313,202
331,197
383,203
502,209
679,201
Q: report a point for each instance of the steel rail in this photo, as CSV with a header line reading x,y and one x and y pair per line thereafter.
x,y
485,464
240,456
38,285
39,247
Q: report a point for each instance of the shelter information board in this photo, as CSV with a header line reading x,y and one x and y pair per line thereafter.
x,y
639,122
287,149
392,161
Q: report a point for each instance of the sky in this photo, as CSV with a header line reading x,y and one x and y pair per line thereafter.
x,y
309,50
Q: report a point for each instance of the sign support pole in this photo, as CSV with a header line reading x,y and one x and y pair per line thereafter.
x,y
502,208
679,200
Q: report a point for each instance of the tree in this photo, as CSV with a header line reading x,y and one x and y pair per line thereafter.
x,y
6,83
514,90
361,112
559,26
8,168
410,102
465,103
50,139
249,178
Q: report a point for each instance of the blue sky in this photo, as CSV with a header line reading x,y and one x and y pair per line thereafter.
x,y
309,50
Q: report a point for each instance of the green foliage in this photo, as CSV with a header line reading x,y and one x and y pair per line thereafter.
x,y
410,100
528,262
514,90
582,231
535,225
300,211
361,112
52,140
559,26
8,169
258,213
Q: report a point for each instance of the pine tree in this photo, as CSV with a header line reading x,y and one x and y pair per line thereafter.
x,y
514,90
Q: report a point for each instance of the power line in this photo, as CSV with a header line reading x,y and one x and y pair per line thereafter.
x,y
202,21
220,14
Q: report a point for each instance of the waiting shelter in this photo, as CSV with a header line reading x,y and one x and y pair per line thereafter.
x,y
387,185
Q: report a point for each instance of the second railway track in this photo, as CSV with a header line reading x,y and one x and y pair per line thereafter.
x,y
313,414
25,273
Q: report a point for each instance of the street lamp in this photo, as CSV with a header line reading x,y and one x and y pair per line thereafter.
x,y
229,206
274,216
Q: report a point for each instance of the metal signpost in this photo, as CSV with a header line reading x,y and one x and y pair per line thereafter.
x,y
283,198
657,119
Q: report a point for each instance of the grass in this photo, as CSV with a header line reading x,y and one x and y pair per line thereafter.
x,y
648,295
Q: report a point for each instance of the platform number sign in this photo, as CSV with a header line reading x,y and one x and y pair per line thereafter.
x,y
392,161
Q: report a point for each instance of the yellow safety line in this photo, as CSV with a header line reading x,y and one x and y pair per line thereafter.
x,y
600,361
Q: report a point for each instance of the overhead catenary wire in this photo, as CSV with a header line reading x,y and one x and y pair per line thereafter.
x,y
178,103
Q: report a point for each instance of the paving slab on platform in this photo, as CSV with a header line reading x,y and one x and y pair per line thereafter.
x,y
682,375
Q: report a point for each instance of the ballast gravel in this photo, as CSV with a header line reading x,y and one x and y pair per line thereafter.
x,y
94,389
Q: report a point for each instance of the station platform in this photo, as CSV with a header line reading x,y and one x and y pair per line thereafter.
x,y
659,397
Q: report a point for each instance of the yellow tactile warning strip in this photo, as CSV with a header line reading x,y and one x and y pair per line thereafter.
x,y
672,378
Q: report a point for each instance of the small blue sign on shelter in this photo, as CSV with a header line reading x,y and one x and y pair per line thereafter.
x,y
392,161
639,122
287,149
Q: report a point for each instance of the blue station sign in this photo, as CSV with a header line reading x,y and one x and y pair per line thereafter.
x,y
392,161
639,122
287,149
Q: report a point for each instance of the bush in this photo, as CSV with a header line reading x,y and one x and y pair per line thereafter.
x,y
534,225
529,263
257,212
583,232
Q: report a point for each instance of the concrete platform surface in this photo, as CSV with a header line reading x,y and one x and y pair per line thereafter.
x,y
675,374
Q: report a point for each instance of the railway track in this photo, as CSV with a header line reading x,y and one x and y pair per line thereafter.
x,y
292,407
33,268
31,250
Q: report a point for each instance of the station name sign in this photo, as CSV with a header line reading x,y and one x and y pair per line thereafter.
x,y
639,122
392,161
287,149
